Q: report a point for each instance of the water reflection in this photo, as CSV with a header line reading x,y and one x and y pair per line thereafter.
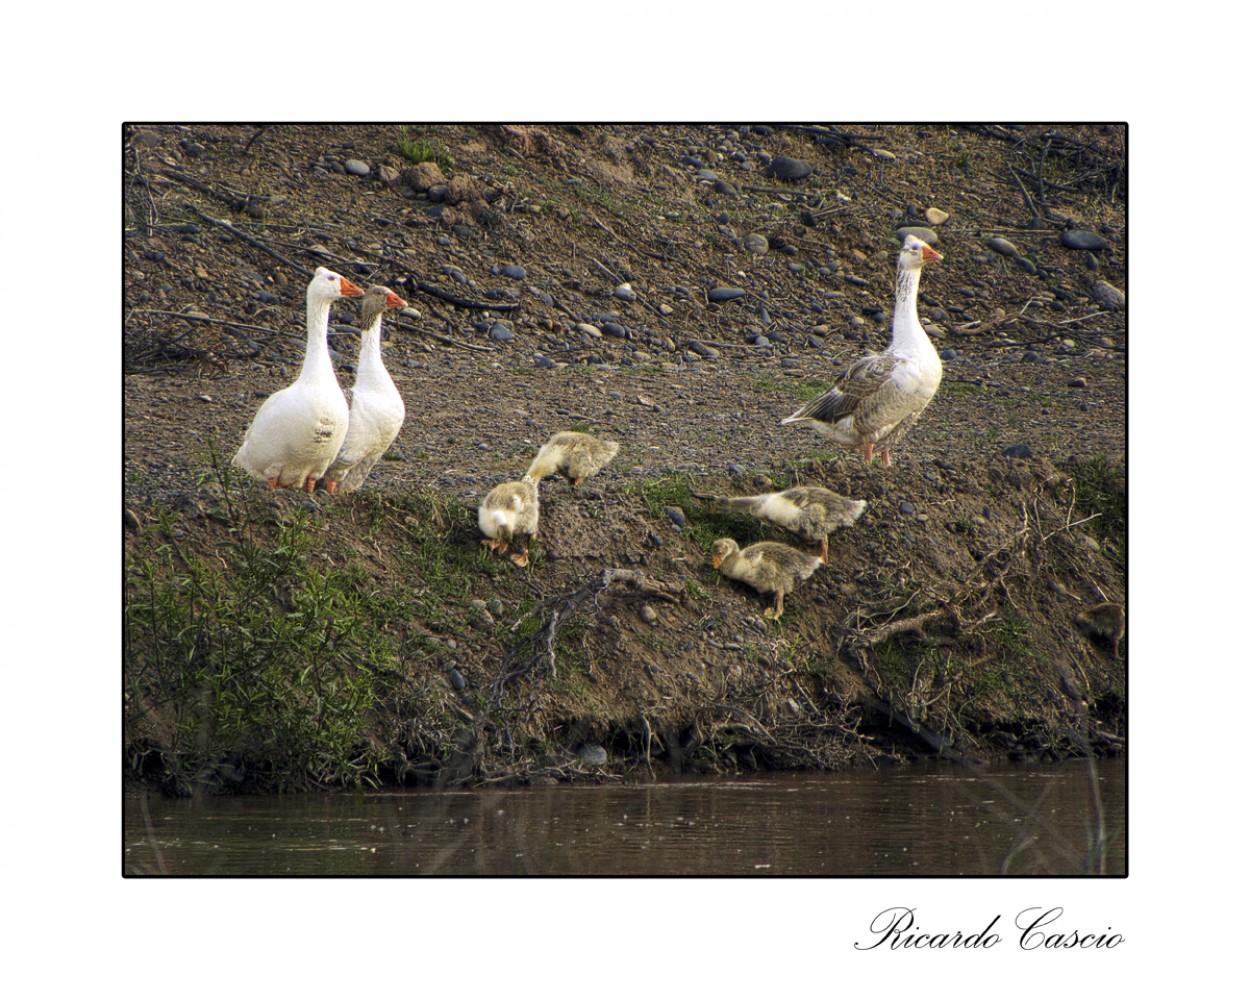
x,y
924,820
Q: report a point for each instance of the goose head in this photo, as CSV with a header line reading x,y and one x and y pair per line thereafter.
x,y
916,253
722,549
377,300
326,286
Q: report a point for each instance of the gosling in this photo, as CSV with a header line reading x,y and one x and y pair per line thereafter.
x,y
769,567
1104,621
573,455
510,514
811,512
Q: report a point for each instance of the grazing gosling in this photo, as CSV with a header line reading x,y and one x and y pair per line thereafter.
x,y
769,567
573,455
1104,621
811,512
510,513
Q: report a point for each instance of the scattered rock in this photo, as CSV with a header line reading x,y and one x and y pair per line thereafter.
x,y
1004,247
676,515
725,294
786,168
500,332
594,754
1082,239
923,232
1107,295
756,243
423,176
935,216
357,167
648,614
1018,451
625,292
457,680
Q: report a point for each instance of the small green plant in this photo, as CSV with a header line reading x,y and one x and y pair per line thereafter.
x,y
423,149
1011,634
1101,489
266,655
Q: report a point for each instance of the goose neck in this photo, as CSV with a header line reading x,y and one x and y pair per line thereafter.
x,y
371,346
908,332
317,351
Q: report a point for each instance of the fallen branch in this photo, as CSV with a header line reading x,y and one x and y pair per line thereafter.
x,y
871,637
455,300
251,240
542,644
221,322
1028,200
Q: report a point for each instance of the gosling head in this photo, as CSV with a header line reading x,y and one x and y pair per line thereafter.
x,y
722,549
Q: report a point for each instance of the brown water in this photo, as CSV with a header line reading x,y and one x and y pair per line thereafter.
x,y
932,819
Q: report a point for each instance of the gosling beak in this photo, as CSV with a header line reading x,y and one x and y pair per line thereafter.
x,y
716,562
927,254
350,287
393,301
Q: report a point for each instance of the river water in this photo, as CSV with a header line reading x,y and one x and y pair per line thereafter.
x,y
923,820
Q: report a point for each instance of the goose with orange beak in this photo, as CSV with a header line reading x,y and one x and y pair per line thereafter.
x,y
875,401
377,408
298,431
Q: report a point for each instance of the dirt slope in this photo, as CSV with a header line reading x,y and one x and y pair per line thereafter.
x,y
949,614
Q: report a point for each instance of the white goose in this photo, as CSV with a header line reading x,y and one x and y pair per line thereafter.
x,y
377,410
877,399
298,430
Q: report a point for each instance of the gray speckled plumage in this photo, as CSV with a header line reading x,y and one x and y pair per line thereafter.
x,y
877,399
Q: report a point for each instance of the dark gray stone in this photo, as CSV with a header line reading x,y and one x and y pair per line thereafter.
x,y
725,294
500,332
1082,239
457,680
594,755
513,271
1005,247
676,515
1018,451
787,168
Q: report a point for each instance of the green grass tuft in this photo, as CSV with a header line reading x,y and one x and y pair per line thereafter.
x,y
423,149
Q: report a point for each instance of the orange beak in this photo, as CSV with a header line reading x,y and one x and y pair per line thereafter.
x,y
350,287
927,254
716,562
393,301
